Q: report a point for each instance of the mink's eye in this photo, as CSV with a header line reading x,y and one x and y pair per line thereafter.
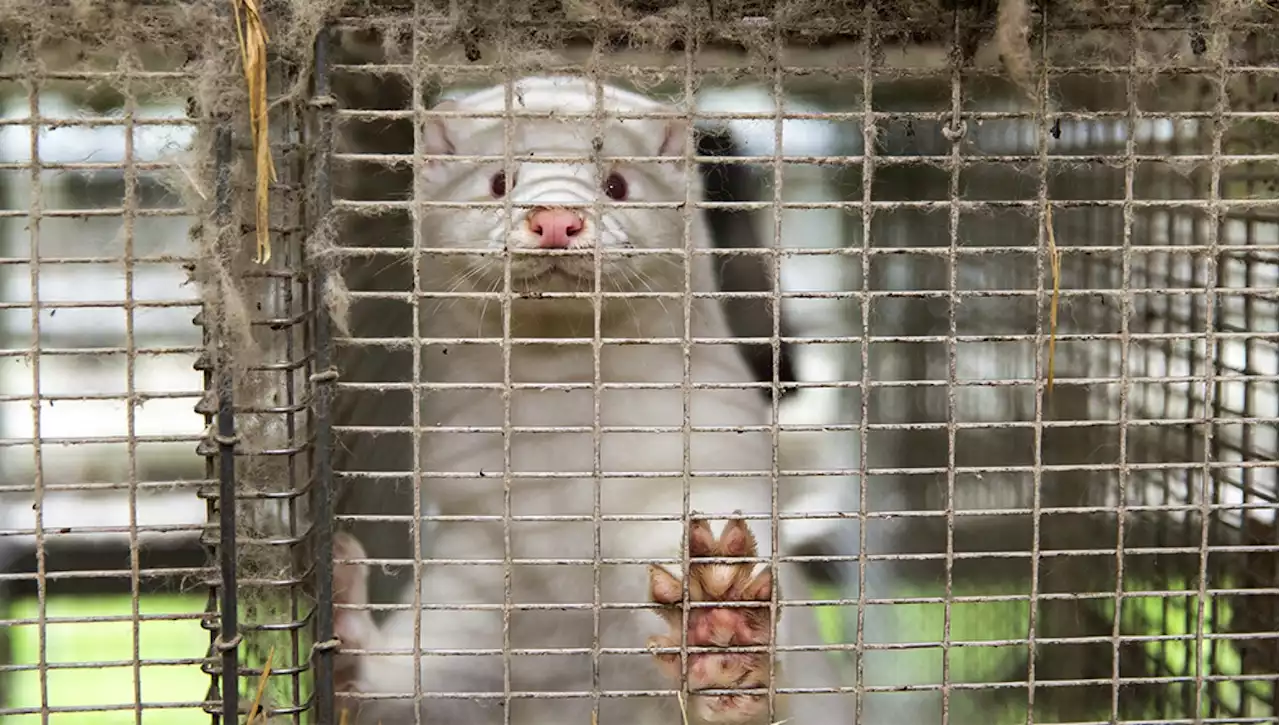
x,y
615,187
498,185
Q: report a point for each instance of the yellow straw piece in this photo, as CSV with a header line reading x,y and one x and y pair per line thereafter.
x,y
252,35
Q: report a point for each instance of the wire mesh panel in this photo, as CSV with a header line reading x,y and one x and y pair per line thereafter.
x,y
99,521
260,367
969,311
1020,301
265,354
124,183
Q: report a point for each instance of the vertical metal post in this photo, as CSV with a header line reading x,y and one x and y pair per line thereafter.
x,y
229,636
322,379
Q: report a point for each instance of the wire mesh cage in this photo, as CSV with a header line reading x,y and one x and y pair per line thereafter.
x,y
121,184
1002,280
98,502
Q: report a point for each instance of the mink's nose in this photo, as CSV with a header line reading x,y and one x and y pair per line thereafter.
x,y
555,228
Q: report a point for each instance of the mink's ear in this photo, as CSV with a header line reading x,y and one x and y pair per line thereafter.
x,y
675,133
437,140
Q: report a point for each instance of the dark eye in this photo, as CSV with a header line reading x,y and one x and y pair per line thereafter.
x,y
615,187
498,184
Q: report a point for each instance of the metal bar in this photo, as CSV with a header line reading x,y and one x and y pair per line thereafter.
x,y
323,381
36,212
229,633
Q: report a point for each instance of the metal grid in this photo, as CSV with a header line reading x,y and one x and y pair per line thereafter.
x,y
978,489
1134,487
265,417
99,519
1121,458
108,518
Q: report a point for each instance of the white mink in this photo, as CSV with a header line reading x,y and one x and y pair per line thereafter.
x,y
542,194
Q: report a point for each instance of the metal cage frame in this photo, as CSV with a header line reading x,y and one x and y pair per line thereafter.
x,y
323,110
1136,477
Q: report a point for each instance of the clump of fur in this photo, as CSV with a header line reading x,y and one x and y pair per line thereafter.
x,y
1013,28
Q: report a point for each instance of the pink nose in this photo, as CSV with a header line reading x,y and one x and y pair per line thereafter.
x,y
555,228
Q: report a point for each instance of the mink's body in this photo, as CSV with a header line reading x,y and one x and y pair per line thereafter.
x,y
562,472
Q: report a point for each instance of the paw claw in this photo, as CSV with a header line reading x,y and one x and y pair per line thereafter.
x,y
701,541
737,540
663,587
718,626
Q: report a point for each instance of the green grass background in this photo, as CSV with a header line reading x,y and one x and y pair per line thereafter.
x,y
185,639
110,641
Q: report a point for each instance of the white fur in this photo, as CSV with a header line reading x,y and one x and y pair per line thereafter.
x,y
610,227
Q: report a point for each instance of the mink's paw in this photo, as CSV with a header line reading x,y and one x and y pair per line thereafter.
x,y
718,626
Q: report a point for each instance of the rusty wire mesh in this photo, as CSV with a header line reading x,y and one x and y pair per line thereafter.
x,y
110,606
1105,551
100,558
1097,517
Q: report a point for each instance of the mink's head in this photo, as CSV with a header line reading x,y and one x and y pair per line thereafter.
x,y
565,176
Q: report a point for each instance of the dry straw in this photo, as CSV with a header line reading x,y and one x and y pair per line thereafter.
x,y
251,33
1055,268
263,679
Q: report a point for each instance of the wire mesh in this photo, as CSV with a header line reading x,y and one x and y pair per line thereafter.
x,y
263,405
99,522
1119,504
901,235
107,519
1053,553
